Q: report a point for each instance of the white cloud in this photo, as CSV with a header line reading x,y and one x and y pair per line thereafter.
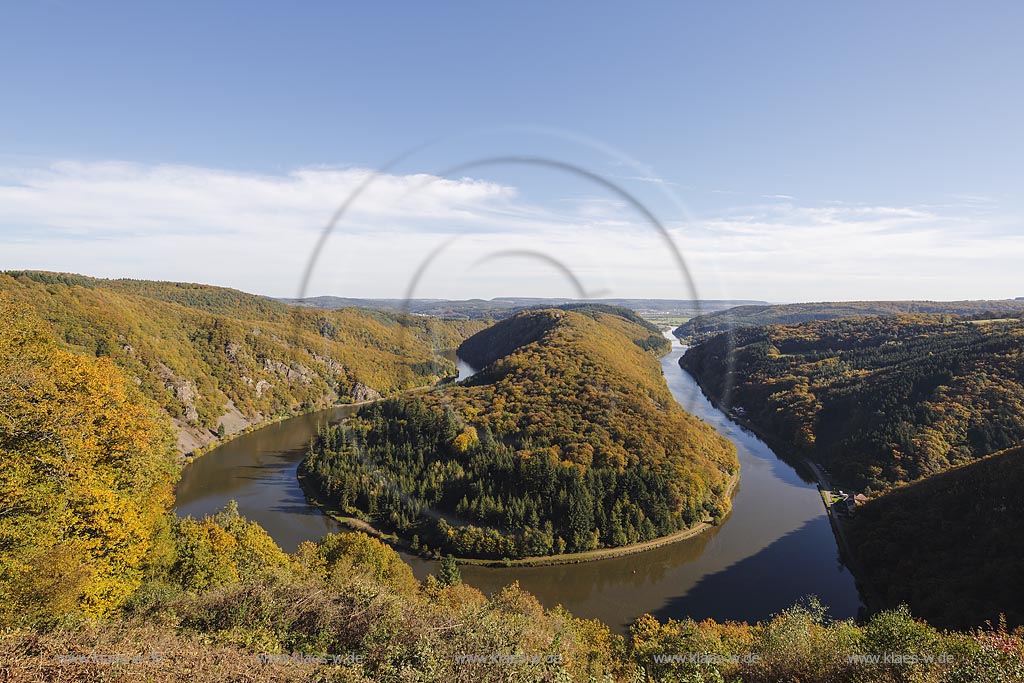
x,y
257,231
788,252
116,198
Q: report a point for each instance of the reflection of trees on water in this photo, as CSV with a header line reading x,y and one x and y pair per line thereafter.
x,y
621,576
740,592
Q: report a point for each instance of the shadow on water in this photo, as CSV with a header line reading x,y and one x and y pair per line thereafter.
x,y
271,470
751,598
296,509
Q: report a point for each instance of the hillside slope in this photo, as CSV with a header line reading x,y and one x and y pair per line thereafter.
x,y
567,440
506,336
880,401
908,408
951,546
792,314
218,360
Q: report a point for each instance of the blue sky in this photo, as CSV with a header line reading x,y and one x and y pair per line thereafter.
x,y
814,149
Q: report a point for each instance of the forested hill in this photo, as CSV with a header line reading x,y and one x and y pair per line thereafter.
x,y
906,408
952,545
218,300
791,314
880,401
567,440
510,334
219,360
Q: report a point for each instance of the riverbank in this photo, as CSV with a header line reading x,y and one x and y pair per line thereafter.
x,y
867,593
823,483
255,427
398,543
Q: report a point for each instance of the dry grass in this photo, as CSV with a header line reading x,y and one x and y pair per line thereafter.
x,y
133,652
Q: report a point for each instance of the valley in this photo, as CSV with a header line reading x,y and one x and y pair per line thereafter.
x,y
656,515
922,413
711,575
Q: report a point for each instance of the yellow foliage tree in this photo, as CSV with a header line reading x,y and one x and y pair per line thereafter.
x,y
86,477
467,438
223,549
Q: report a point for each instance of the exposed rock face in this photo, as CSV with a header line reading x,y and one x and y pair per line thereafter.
x,y
271,365
187,394
231,350
294,373
190,437
360,392
234,421
184,391
258,387
329,363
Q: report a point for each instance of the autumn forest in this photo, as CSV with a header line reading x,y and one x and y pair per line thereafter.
x,y
566,440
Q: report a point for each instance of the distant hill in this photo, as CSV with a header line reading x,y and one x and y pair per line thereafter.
x,y
507,336
951,546
502,307
208,298
790,314
218,360
567,440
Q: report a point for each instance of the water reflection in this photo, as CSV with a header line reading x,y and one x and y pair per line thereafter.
x,y
258,470
758,597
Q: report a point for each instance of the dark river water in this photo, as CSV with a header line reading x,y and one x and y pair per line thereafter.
x,y
774,548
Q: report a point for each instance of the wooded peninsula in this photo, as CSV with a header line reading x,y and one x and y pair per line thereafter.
x,y
567,440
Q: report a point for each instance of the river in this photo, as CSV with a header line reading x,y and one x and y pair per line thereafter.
x,y
774,548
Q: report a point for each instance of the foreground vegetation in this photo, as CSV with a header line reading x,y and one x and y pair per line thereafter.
x,y
217,360
568,440
101,582
86,478
232,607
885,402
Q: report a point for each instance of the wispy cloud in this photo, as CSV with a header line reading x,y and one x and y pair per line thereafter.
x,y
116,198
974,199
848,251
653,180
257,231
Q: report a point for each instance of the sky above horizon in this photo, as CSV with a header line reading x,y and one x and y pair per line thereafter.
x,y
802,151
